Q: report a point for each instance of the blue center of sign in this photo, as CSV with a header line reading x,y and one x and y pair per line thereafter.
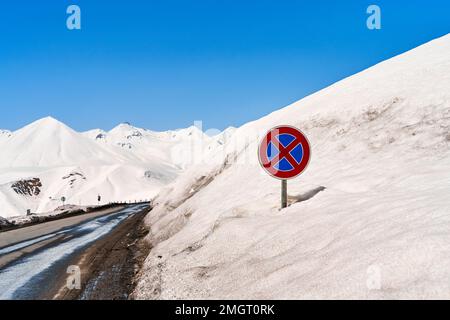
x,y
283,164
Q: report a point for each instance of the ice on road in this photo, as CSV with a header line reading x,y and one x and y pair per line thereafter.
x,y
27,277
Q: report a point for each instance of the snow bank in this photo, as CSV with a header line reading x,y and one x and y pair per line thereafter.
x,y
369,219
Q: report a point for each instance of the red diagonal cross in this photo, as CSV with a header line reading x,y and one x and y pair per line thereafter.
x,y
284,152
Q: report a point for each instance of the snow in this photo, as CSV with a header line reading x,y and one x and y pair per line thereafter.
x,y
225,136
4,134
13,278
124,164
61,211
4,222
63,146
369,219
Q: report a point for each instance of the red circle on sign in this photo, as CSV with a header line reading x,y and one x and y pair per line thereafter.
x,y
271,140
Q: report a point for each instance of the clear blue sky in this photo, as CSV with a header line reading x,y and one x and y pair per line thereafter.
x,y
163,64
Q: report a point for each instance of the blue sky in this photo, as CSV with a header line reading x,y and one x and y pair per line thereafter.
x,y
163,64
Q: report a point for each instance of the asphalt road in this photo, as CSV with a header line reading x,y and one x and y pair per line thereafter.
x,y
31,257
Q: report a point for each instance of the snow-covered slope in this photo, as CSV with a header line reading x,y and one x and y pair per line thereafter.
x,y
173,147
370,218
4,134
47,160
225,136
48,142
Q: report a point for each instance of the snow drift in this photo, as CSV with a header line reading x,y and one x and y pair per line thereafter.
x,y
370,218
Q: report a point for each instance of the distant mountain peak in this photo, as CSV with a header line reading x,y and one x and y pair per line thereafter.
x,y
124,126
48,122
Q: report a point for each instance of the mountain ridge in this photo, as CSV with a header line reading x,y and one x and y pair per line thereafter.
x,y
138,161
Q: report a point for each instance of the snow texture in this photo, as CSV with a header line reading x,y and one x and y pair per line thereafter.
x,y
369,219
46,160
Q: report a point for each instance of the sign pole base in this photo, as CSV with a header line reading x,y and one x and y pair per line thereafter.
x,y
284,197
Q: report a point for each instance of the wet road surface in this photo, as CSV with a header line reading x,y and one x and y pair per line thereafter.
x,y
28,268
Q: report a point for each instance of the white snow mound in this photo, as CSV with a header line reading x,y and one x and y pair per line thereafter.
x,y
370,218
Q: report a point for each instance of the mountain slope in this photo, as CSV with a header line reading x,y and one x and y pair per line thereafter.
x,y
46,160
368,219
48,142
174,147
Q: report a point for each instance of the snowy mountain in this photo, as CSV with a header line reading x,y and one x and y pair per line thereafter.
x,y
225,136
149,146
370,218
48,142
47,160
5,133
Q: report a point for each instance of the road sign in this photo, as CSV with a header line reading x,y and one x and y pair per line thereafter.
x,y
284,153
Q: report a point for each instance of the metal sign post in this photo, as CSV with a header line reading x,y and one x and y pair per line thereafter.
x,y
284,200
284,153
